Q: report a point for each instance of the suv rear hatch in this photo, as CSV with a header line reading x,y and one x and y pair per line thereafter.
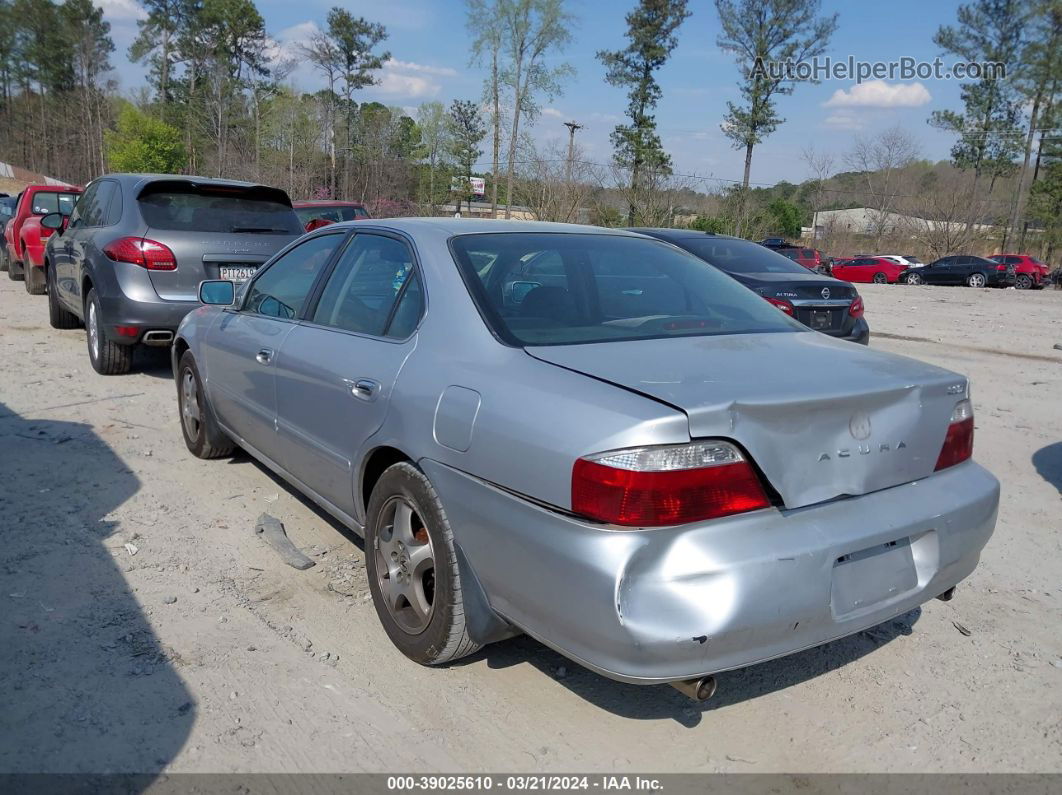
x,y
214,230
822,419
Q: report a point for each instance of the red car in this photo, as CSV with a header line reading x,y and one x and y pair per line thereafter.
x,y
865,270
810,258
314,214
1030,272
24,238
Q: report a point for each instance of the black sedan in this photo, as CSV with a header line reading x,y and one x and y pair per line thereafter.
x,y
819,302
961,269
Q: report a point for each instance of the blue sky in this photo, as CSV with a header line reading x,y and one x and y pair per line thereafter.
x,y
428,43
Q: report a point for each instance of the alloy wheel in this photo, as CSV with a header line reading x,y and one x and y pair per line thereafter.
x,y
190,405
880,278
914,278
405,566
977,280
93,331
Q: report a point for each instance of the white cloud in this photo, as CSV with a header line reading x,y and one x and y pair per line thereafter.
x,y
552,113
409,66
844,121
121,10
879,94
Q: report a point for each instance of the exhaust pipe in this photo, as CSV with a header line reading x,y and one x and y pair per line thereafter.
x,y
700,689
157,338
948,595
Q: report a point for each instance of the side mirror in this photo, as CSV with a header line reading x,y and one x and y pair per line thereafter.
x,y
54,221
217,292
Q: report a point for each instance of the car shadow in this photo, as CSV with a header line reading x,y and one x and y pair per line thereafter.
x,y
87,685
153,361
1048,463
642,702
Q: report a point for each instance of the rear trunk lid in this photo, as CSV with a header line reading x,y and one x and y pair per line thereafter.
x,y
821,418
214,230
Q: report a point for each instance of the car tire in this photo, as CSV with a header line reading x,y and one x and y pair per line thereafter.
x,y
914,278
34,280
59,318
881,278
1024,282
14,272
202,434
106,357
976,280
404,517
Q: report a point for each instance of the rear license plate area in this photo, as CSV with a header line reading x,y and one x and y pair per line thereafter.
x,y
237,273
821,319
872,576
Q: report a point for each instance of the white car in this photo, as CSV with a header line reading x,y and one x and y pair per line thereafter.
x,y
907,260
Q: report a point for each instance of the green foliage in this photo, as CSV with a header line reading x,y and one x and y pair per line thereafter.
x,y
761,31
988,129
143,144
785,218
651,31
708,223
466,132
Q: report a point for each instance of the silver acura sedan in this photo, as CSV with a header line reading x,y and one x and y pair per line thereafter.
x,y
589,436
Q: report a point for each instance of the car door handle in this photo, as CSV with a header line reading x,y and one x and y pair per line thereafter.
x,y
365,389
264,356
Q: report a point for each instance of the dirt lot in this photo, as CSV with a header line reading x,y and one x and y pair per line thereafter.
x,y
201,652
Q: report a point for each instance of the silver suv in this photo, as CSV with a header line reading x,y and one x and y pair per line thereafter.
x,y
129,262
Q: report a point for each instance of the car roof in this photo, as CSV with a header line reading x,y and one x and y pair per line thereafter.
x,y
668,233
325,203
470,226
190,178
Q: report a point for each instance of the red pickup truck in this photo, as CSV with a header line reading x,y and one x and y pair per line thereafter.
x,y
24,238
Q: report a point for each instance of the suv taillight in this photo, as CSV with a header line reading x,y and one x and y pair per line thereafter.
x,y
958,444
855,309
782,304
143,252
667,485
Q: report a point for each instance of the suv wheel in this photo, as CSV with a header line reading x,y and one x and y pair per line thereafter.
x,y
412,568
59,317
1024,282
976,280
34,279
202,435
108,358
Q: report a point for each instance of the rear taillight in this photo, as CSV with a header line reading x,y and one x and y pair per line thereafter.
x,y
658,486
782,304
958,444
856,307
1001,267
143,252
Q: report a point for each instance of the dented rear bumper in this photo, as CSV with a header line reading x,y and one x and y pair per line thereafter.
x,y
674,603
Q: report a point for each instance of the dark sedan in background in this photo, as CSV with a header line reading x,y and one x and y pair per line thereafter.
x,y
819,302
962,269
129,262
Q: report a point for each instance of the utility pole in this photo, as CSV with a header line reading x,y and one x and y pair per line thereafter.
x,y
572,127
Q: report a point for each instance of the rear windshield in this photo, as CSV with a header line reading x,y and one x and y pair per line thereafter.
x,y
563,289
205,209
740,256
46,202
333,214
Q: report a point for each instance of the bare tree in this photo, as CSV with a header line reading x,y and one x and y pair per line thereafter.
x,y
555,188
940,209
881,159
530,30
484,22
820,164
324,55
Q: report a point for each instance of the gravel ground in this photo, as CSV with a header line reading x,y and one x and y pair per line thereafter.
x,y
144,627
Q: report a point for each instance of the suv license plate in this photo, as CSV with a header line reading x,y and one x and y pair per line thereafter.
x,y
821,319
239,273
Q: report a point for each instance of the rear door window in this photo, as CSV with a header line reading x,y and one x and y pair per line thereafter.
x,y
363,287
205,208
96,203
